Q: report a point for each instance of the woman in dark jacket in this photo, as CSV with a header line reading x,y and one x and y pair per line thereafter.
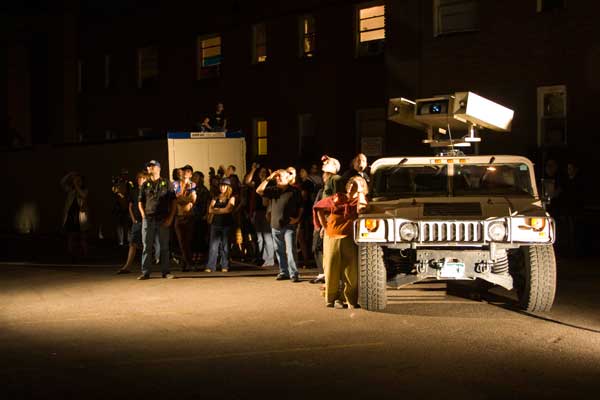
x,y
220,210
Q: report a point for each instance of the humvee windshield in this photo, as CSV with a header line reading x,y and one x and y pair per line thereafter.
x,y
467,180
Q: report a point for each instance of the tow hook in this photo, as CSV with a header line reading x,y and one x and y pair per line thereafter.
x,y
421,267
482,268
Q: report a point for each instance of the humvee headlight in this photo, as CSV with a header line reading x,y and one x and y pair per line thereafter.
x,y
371,224
497,231
409,231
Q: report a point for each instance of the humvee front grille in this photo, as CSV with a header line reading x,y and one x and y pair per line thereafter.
x,y
455,231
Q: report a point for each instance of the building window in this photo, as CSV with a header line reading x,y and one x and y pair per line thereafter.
x,y
552,115
108,83
370,130
209,56
307,36
259,43
79,76
147,63
260,135
453,16
370,29
550,5
306,135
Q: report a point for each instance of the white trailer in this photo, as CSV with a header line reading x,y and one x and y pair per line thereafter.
x,y
202,150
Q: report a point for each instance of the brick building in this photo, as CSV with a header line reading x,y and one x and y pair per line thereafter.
x,y
298,78
123,70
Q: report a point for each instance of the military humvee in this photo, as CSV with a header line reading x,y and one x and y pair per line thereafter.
x,y
455,216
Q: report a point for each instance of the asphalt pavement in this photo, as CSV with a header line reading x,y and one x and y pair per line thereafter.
x,y
80,331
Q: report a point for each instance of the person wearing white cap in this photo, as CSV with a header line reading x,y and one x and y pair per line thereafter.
x,y
332,180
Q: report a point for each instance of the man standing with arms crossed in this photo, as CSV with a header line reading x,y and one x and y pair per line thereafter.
x,y
157,208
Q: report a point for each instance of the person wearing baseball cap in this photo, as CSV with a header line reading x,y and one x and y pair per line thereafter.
x,y
153,163
333,182
157,208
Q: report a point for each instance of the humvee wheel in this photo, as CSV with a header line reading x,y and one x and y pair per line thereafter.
x,y
535,277
372,277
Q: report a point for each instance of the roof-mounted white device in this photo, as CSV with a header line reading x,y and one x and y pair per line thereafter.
x,y
444,118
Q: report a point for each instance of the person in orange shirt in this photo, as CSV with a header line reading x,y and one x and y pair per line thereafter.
x,y
340,254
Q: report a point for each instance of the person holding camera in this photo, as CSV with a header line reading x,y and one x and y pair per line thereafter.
x,y
121,187
135,234
185,197
286,211
75,215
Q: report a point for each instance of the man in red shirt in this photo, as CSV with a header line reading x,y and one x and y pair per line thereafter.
x,y
340,254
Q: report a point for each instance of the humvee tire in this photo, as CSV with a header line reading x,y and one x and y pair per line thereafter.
x,y
372,281
536,284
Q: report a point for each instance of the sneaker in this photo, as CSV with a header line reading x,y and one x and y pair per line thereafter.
x,y
341,304
168,275
317,280
208,270
329,305
296,279
224,270
143,277
282,277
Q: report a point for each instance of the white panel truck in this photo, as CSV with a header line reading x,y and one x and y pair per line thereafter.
x,y
455,216
202,150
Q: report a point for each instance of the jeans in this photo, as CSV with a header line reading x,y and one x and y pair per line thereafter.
x,y
219,245
150,227
266,246
285,247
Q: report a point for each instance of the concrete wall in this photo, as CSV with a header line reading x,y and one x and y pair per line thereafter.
x,y
32,194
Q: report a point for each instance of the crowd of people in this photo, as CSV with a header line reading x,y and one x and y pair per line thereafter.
x,y
284,217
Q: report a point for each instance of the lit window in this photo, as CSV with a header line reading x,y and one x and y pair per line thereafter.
x,y
372,23
370,30
210,56
147,66
259,39
261,137
307,36
453,16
